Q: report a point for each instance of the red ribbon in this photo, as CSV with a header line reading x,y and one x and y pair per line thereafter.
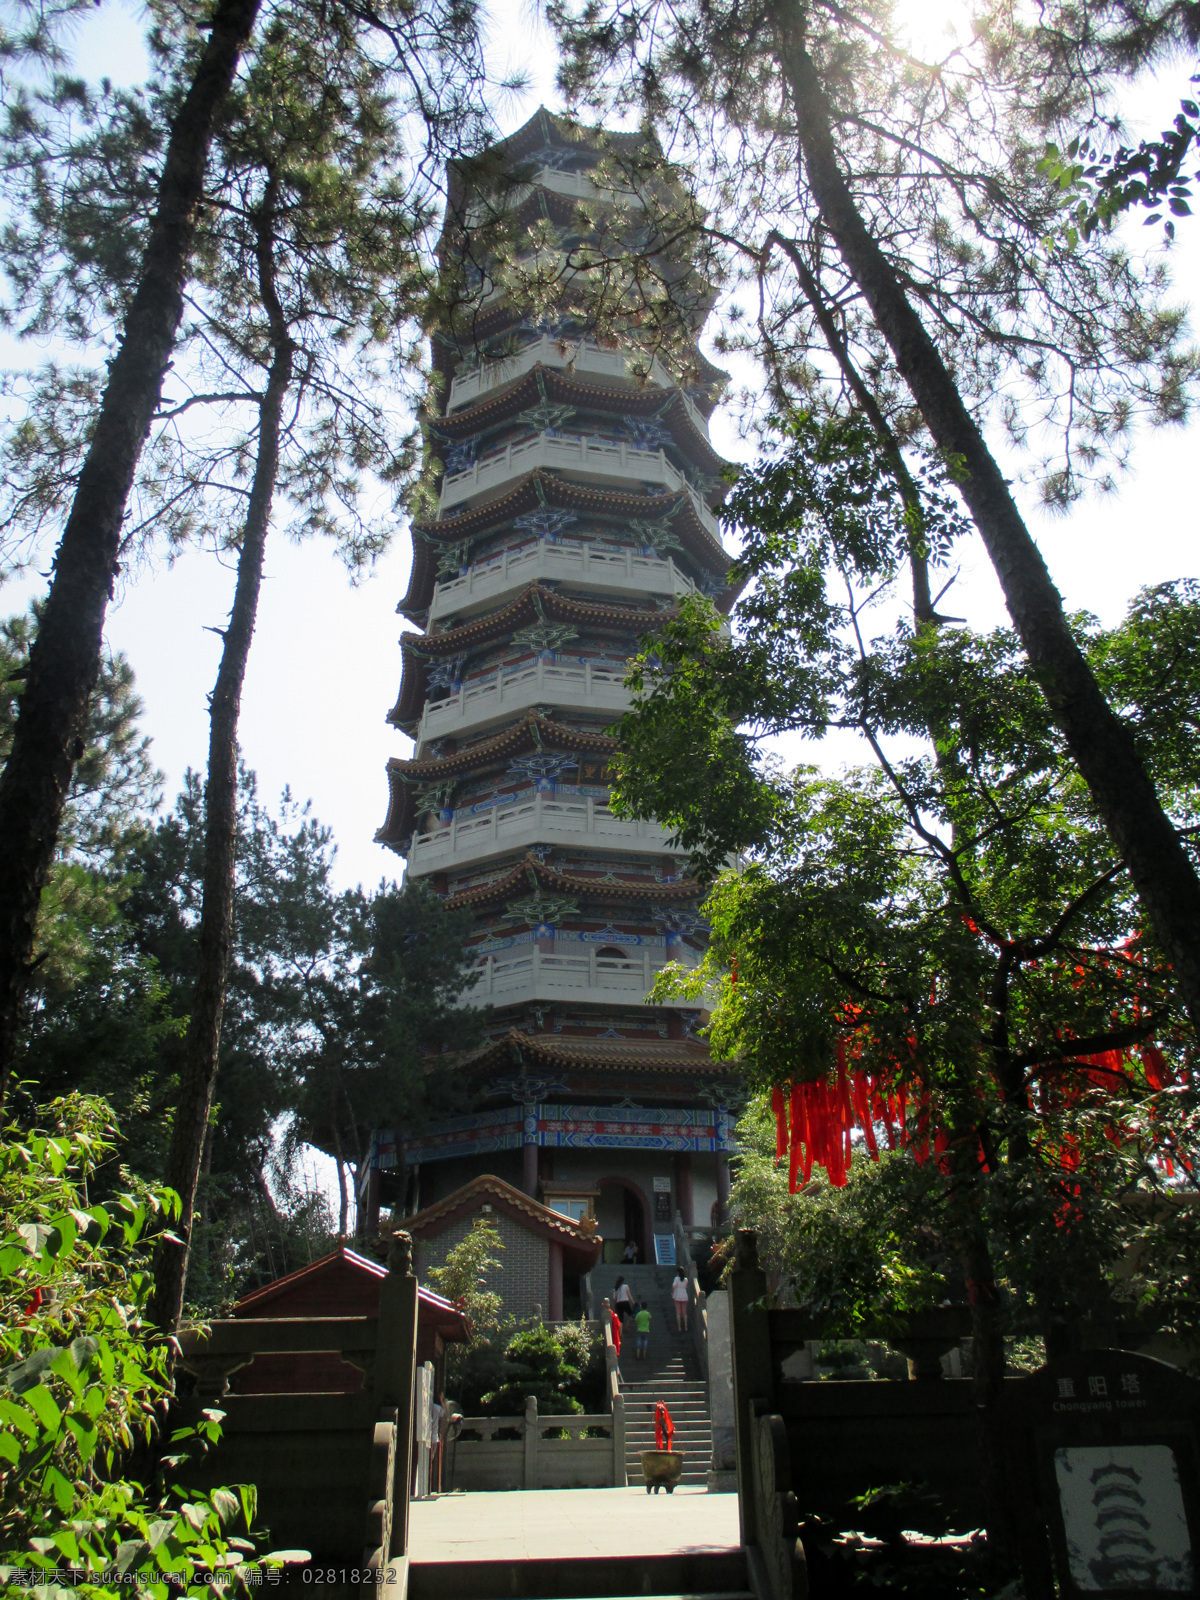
x,y
663,1426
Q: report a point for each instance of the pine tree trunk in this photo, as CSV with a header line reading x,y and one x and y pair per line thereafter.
x,y
65,659
1101,744
202,1046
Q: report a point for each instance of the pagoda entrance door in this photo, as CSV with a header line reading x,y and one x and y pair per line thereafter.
x,y
636,1214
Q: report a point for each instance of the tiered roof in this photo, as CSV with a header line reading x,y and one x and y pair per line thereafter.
x,y
534,604
538,875
531,732
540,489
564,387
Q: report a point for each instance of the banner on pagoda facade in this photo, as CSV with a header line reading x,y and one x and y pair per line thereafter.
x,y
696,1128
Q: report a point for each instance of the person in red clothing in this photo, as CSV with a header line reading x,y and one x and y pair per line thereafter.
x,y
614,1323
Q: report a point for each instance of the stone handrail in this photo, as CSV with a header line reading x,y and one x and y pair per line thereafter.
x,y
534,969
564,560
622,462
697,1299
545,1456
536,818
616,1405
583,684
582,355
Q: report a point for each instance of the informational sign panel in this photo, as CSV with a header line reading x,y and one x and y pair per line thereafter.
x,y
1104,1477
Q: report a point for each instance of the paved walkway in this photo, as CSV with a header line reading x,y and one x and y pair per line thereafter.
x,y
520,1525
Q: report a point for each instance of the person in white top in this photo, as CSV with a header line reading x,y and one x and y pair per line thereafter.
x,y
679,1295
623,1300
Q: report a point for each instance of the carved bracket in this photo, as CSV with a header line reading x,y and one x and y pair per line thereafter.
x,y
377,1538
212,1373
776,1516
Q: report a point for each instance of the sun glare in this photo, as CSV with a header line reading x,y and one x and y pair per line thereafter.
x,y
929,28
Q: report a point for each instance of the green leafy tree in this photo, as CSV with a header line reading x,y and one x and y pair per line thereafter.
x,y
868,1250
95,997
943,945
378,995
536,1365
1100,185
884,219
84,1380
64,667
463,1277
256,1218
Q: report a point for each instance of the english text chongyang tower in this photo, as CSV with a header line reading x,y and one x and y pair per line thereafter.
x,y
575,510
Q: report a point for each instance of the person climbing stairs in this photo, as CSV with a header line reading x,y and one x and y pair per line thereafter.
x,y
670,1372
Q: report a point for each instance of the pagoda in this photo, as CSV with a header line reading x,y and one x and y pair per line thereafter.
x,y
575,509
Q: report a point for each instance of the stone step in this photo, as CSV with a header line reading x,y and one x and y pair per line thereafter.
x,y
686,1575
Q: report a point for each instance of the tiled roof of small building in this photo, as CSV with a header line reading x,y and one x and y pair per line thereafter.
x,y
580,1242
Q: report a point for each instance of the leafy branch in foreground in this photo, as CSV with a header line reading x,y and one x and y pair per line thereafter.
x,y
1099,186
84,1382
936,953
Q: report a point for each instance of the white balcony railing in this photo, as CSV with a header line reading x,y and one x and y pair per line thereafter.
x,y
623,463
581,686
581,356
614,571
539,819
532,975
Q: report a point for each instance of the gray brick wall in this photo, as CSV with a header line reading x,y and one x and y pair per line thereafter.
x,y
522,1281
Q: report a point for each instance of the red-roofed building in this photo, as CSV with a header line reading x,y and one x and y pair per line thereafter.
x,y
540,1243
341,1284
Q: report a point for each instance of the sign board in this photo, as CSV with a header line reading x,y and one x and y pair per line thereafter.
x,y
1105,1476
662,1185
664,1249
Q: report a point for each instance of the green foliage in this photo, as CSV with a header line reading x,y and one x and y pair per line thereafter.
x,y
463,1278
375,997
536,1363
322,208
1097,186
505,1362
868,1251
84,1381
1059,350
952,917
114,784
561,1366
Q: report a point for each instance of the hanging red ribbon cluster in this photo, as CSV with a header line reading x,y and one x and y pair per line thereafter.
x,y
815,1122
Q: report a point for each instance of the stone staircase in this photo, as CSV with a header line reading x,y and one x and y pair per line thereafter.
x,y
688,1575
670,1373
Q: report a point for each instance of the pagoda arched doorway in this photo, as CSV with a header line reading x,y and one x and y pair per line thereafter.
x,y
636,1211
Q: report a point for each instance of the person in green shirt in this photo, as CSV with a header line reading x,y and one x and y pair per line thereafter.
x,y
641,1322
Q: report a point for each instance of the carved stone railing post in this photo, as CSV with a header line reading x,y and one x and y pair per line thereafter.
x,y
531,1442
620,1470
776,1518
750,1351
395,1373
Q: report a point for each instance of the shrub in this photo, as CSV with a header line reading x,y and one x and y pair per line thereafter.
x,y
84,1380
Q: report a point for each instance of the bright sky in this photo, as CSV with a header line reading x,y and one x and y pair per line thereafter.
x,y
324,667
